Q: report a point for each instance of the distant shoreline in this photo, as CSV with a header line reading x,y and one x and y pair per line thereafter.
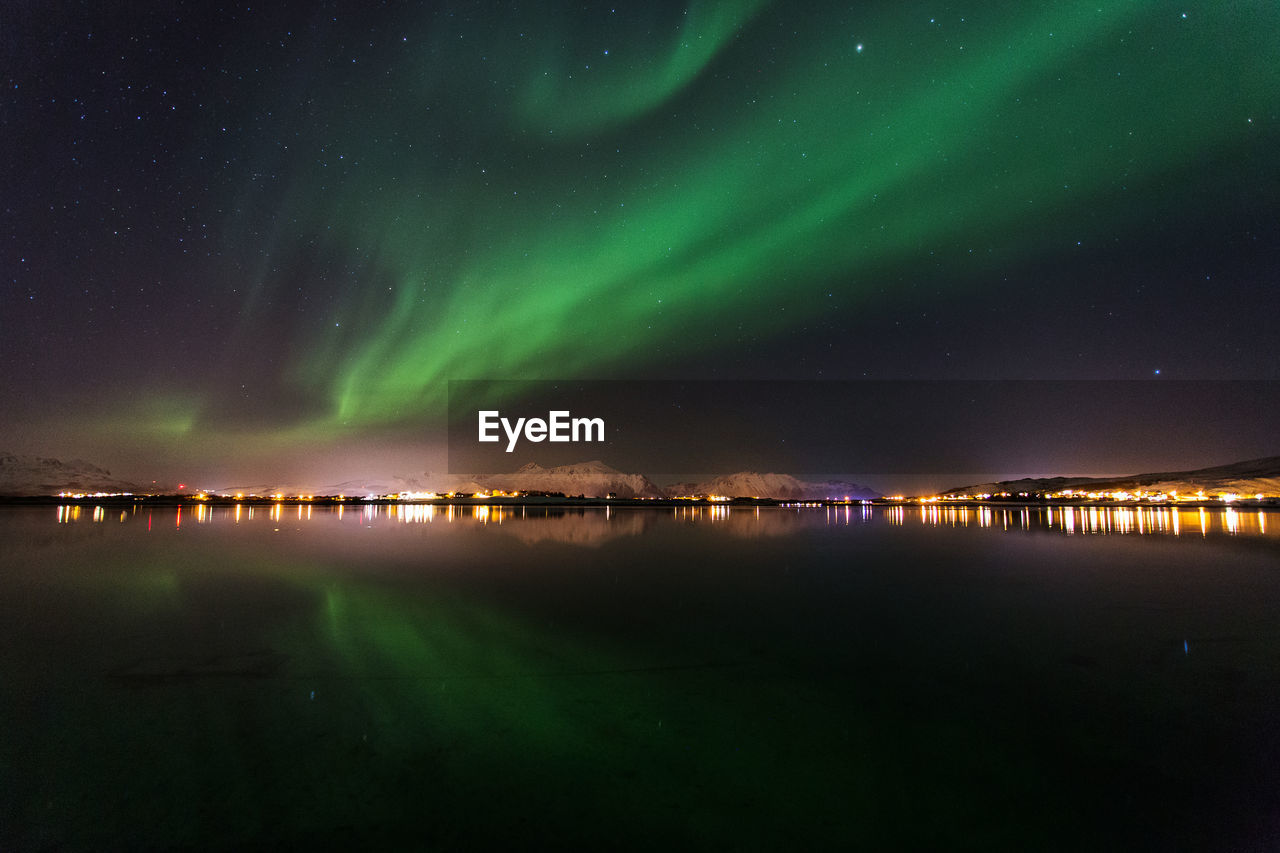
x,y
655,503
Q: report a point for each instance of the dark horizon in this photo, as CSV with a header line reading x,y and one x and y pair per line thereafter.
x,y
910,485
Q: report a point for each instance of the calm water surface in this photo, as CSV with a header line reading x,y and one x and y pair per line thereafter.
x,y
420,677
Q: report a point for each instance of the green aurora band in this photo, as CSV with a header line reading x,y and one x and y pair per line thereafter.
x,y
530,196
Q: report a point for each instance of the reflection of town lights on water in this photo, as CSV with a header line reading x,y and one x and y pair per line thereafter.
x,y
837,515
418,513
1123,520
1164,520
1072,520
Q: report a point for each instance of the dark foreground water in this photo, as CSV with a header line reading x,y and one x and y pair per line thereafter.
x,y
731,679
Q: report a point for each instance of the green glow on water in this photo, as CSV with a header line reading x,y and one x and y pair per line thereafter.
x,y
723,685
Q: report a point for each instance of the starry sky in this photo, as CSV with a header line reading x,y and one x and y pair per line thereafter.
x,y
243,241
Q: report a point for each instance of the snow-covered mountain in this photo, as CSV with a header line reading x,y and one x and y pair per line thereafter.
x,y
350,488
591,479
751,484
42,475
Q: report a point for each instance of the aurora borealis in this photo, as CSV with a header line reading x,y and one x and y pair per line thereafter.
x,y
236,234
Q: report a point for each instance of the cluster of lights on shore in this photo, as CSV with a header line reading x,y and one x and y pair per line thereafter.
x,y
394,496
1118,495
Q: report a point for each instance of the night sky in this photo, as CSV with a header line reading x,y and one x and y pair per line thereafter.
x,y
244,242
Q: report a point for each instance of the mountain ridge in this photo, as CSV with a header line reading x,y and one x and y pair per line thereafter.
x,y
1248,477
46,475
753,484
593,479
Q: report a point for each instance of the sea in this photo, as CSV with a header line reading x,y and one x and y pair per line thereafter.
x,y
694,677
